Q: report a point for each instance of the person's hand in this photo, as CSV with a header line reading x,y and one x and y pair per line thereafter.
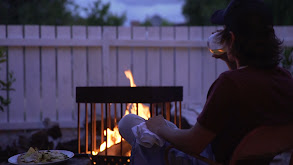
x,y
155,124
231,64
223,57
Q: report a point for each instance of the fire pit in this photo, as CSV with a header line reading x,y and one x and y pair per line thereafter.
x,y
114,103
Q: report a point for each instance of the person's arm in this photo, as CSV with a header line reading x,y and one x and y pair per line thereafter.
x,y
192,141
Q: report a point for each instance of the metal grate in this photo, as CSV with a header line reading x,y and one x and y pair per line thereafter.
x,y
158,99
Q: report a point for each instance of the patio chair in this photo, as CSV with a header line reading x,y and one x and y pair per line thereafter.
x,y
264,142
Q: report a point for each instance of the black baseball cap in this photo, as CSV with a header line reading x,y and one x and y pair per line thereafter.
x,y
244,16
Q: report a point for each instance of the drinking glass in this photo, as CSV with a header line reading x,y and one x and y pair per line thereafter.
x,y
214,44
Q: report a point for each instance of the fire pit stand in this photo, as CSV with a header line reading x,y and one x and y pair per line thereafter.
x,y
159,100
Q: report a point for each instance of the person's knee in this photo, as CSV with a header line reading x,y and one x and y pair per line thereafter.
x,y
129,121
125,121
125,125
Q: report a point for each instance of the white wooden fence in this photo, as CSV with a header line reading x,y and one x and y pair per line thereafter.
x,y
48,62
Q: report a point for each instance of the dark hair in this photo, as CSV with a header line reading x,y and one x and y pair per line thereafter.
x,y
258,46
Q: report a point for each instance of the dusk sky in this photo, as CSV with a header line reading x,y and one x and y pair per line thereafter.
x,y
139,10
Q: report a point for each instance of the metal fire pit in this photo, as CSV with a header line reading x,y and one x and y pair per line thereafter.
x,y
158,98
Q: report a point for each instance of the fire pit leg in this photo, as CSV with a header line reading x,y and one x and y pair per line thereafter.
x,y
86,129
180,114
175,114
168,113
78,127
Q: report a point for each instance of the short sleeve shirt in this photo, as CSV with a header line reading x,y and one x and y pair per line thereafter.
x,y
240,100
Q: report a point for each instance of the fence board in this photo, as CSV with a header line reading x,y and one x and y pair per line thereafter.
x,y
139,57
95,77
16,108
2,31
48,76
3,71
14,32
195,63
124,56
79,56
153,59
79,72
64,77
32,76
32,84
95,71
220,67
16,61
48,72
284,33
109,56
64,87
167,56
181,62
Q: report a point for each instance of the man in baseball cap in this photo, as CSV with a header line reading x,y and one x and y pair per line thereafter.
x,y
243,14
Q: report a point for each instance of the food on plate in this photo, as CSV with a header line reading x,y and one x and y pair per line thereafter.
x,y
34,156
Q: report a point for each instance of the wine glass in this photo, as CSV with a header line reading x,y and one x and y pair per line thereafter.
x,y
214,44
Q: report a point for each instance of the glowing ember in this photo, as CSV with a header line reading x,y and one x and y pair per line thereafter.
x,y
113,137
94,153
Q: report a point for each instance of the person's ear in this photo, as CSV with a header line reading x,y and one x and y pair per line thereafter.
x,y
232,39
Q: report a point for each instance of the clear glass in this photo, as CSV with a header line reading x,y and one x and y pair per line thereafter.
x,y
214,44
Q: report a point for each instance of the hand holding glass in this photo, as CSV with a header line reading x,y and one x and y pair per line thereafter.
x,y
214,44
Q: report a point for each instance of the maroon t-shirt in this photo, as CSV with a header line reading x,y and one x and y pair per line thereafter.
x,y
240,100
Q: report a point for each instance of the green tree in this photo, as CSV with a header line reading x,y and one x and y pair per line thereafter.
x,y
53,12
149,21
100,15
198,12
282,11
56,12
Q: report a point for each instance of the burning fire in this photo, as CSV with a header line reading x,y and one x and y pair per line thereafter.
x,y
113,137
143,109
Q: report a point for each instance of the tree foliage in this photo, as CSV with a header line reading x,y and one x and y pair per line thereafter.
x,y
282,11
156,20
56,12
198,12
287,60
100,15
6,83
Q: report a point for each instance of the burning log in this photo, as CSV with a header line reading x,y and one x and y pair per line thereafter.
x,y
116,149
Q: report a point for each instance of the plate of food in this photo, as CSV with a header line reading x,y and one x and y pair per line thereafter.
x,y
41,157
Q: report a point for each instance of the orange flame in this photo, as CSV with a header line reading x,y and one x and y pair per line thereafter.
x,y
128,74
143,109
113,137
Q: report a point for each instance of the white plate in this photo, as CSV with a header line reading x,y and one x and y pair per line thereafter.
x,y
13,159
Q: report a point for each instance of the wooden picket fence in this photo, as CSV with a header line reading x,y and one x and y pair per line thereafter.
x,y
48,62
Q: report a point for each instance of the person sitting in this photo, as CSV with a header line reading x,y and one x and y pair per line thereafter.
x,y
254,92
